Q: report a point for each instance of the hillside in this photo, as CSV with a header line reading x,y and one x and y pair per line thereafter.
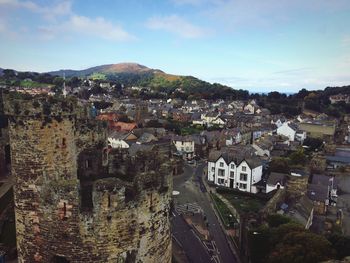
x,y
106,69
132,74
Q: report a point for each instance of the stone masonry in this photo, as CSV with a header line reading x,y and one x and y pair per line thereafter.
x,y
75,199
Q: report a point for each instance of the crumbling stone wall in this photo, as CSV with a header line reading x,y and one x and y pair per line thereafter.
x,y
128,220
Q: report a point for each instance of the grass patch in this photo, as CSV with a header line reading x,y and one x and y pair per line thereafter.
x,y
97,75
33,84
244,204
191,130
225,214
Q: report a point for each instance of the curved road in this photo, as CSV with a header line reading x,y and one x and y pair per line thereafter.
x,y
190,191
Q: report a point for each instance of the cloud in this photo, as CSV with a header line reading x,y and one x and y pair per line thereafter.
x,y
62,8
59,20
294,72
345,42
82,25
176,25
98,27
188,2
236,13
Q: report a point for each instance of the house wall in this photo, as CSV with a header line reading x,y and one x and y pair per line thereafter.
x,y
117,143
256,174
270,187
286,131
223,178
239,171
211,173
185,147
253,175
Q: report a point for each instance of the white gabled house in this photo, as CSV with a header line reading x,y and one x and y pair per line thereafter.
x,y
291,131
212,118
276,181
227,170
120,139
185,146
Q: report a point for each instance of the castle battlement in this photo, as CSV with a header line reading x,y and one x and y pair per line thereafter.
x,y
77,200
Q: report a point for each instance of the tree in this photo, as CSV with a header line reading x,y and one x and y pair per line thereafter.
x,y
341,244
154,124
313,143
279,165
301,247
9,73
276,220
58,81
298,157
302,94
74,82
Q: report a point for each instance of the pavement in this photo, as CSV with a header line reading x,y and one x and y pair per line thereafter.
x,y
343,201
188,240
192,191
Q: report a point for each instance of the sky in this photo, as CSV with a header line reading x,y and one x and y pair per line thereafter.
x,y
258,45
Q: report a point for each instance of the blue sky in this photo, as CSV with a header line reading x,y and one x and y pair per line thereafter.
x,y
257,45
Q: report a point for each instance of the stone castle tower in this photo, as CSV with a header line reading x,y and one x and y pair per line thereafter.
x,y
75,199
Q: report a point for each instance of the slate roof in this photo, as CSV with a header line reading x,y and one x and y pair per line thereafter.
x,y
146,137
212,114
275,178
118,135
236,155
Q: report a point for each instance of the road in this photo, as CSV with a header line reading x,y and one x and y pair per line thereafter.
x,y
191,244
190,192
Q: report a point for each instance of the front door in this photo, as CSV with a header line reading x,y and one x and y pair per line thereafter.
x,y
231,183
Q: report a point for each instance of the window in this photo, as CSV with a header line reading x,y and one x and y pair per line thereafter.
x,y
221,164
221,172
243,177
64,211
243,186
182,149
244,168
88,164
232,174
213,169
221,181
232,166
109,201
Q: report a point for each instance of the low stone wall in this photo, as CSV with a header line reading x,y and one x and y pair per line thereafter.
x,y
272,205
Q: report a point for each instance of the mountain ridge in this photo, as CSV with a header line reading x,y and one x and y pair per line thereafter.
x,y
126,67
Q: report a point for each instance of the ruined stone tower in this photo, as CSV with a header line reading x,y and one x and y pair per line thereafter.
x,y
76,200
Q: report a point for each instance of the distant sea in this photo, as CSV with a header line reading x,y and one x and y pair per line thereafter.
x,y
266,93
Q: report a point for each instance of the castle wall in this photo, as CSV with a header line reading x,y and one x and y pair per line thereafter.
x,y
128,220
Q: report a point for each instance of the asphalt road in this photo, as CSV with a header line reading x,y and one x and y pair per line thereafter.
x,y
190,191
191,244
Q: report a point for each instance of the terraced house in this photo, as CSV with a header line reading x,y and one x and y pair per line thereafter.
x,y
235,168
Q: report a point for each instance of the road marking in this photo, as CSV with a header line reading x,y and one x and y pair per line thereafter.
x,y
188,208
